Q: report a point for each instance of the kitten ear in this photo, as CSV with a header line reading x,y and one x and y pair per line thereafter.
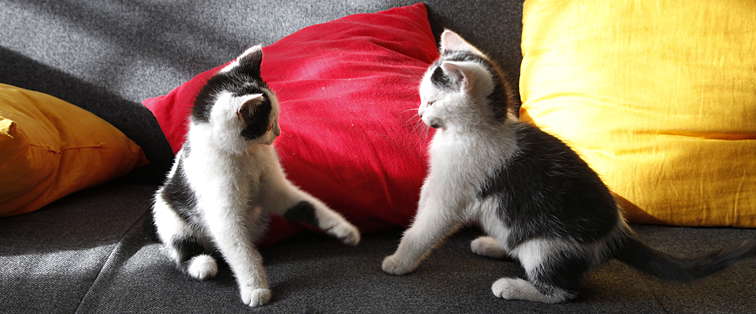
x,y
251,60
251,56
247,108
457,73
452,41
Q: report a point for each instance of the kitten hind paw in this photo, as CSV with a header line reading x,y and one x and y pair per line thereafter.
x,y
256,297
487,246
520,289
202,267
509,288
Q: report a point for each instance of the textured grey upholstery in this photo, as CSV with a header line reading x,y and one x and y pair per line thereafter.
x,y
90,252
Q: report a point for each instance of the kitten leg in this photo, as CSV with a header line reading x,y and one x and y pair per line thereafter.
x,y
193,259
288,201
182,242
235,242
553,275
312,211
488,246
431,225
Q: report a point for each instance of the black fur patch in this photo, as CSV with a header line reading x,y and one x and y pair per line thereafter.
x,y
250,64
304,212
546,191
187,248
179,195
443,81
641,257
562,271
259,121
631,251
242,80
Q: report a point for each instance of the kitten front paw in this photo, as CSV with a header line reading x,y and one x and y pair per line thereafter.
x,y
255,297
392,266
346,233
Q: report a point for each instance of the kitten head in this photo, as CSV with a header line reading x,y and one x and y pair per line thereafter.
x,y
236,109
463,88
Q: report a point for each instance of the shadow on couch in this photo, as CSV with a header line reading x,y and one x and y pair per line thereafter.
x,y
133,119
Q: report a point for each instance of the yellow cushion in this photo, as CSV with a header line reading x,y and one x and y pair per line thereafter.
x,y
659,97
50,148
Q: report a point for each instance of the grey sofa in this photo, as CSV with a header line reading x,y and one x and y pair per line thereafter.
x,y
91,253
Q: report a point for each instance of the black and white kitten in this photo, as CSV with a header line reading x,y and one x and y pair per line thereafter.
x,y
534,196
227,178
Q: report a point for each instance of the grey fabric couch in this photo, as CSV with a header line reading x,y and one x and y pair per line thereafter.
x,y
90,252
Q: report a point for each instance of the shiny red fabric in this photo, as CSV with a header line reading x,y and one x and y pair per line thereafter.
x,y
348,95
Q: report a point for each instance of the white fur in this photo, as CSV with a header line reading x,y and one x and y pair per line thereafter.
x,y
520,289
226,175
487,246
237,183
459,161
202,267
468,147
464,152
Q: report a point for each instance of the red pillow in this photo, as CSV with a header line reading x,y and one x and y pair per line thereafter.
x,y
348,94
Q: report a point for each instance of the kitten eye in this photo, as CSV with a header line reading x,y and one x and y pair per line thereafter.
x,y
430,103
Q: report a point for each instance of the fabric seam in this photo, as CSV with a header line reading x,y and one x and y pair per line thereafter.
x,y
108,261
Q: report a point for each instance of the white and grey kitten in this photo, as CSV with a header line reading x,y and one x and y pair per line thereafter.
x,y
535,198
227,178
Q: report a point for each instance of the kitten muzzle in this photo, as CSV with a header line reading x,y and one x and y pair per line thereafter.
x,y
434,123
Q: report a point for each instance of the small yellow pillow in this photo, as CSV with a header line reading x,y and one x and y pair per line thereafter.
x,y
50,148
659,97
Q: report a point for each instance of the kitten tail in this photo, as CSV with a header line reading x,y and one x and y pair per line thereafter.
x,y
633,252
